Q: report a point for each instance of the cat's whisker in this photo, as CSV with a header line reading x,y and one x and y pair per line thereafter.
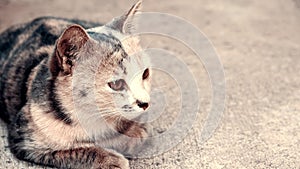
x,y
105,113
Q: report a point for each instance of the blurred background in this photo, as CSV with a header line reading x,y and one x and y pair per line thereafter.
x,y
258,43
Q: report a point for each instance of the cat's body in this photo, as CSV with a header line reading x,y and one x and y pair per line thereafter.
x,y
53,75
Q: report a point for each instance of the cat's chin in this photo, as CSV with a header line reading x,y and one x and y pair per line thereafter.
x,y
132,115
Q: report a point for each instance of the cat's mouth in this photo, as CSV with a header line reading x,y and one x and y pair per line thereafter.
x,y
135,110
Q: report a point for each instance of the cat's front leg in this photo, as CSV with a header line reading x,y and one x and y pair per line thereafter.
x,y
133,137
94,158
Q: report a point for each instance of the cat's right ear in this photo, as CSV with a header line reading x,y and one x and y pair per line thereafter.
x,y
67,48
124,23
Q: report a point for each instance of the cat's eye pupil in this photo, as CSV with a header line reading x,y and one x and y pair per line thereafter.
x,y
146,74
117,85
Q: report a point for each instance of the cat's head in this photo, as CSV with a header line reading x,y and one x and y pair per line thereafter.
x,y
104,63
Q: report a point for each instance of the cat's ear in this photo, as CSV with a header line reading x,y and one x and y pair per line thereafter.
x,y
124,23
67,48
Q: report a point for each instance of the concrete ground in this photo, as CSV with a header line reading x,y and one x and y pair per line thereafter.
x,y
259,45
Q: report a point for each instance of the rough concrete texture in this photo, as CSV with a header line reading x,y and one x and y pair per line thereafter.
x,y
259,45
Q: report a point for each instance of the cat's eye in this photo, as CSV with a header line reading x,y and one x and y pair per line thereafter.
x,y
146,74
117,85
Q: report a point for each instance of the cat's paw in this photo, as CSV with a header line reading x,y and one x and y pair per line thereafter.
x,y
111,160
135,139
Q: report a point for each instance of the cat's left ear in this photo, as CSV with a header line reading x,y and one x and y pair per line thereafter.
x,y
67,48
123,23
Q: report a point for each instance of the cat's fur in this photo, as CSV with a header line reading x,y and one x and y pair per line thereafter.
x,y
55,97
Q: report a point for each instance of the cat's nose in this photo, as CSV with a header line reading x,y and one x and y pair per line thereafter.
x,y
142,105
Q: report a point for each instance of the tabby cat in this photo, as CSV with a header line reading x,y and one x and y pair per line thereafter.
x,y
70,91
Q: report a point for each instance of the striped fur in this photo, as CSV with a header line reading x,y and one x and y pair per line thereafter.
x,y
50,120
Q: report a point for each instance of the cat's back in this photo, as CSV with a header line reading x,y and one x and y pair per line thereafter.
x,y
22,48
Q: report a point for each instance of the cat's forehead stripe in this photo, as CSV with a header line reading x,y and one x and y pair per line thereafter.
x,y
109,39
115,45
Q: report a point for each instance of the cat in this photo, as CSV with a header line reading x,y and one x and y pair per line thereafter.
x,y
70,91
